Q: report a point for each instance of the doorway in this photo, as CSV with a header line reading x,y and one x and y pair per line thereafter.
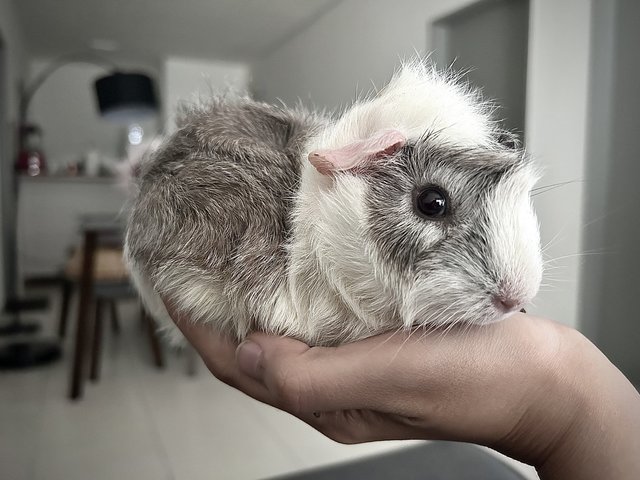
x,y
6,185
488,41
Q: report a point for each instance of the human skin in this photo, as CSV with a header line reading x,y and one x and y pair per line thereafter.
x,y
528,387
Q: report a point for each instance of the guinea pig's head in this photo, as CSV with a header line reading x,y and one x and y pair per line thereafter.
x,y
448,224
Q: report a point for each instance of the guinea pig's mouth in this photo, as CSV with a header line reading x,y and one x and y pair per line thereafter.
x,y
503,316
481,309
505,311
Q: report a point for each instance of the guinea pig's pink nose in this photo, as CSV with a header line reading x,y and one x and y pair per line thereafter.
x,y
506,303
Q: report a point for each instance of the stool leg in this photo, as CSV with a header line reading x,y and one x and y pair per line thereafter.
x,y
67,290
143,318
96,350
156,350
192,360
115,323
76,384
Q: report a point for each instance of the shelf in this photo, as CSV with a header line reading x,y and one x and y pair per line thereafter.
x,y
68,179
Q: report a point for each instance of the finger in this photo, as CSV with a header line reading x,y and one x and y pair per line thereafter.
x,y
360,426
305,379
351,426
218,353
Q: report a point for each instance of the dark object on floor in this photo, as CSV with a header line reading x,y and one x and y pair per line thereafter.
x,y
25,353
431,461
28,353
14,307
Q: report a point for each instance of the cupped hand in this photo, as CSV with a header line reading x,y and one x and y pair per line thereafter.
x,y
471,384
514,386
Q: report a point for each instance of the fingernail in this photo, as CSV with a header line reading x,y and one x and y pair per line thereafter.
x,y
249,358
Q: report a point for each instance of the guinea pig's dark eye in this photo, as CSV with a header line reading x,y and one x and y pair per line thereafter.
x,y
432,202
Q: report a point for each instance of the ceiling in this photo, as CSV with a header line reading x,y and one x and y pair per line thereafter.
x,y
153,29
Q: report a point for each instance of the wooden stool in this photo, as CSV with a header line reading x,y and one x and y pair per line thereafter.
x,y
100,273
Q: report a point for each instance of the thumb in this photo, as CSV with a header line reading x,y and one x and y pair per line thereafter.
x,y
303,379
250,354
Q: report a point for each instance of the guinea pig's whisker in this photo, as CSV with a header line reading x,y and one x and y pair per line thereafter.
x,y
576,255
553,273
447,327
395,332
553,279
430,328
610,212
448,323
467,327
441,319
552,267
453,324
548,288
546,277
546,188
395,355
550,242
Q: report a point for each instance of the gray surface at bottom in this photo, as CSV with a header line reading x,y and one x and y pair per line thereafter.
x,y
431,461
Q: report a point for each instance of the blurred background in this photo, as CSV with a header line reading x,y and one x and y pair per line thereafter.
x,y
87,390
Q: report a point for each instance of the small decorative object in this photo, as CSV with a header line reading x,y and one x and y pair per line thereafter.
x,y
31,160
92,163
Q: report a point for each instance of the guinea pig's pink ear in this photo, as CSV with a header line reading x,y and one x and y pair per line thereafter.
x,y
382,144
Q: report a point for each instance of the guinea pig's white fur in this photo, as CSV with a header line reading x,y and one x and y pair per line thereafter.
x,y
336,275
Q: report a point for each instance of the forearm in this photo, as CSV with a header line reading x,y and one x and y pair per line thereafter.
x,y
602,438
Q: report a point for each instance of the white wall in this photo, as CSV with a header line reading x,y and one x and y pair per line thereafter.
x,y
350,48
14,62
49,215
556,126
360,41
187,79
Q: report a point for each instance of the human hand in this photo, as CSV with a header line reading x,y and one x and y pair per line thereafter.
x,y
519,386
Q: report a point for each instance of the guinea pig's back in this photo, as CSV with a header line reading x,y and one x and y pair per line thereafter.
x,y
211,217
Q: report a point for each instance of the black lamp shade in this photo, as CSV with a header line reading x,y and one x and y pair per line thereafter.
x,y
126,97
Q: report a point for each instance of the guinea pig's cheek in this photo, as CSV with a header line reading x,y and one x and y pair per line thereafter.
x,y
437,297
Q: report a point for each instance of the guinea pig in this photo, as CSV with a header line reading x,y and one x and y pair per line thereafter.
x,y
412,208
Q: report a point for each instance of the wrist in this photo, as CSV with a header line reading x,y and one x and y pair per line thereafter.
x,y
602,436
550,407
583,420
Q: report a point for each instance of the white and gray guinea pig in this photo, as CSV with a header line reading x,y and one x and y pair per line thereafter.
x,y
411,208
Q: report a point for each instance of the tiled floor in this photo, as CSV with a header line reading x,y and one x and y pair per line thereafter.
x,y
142,423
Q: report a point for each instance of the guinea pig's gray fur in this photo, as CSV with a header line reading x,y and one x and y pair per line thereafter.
x,y
258,217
